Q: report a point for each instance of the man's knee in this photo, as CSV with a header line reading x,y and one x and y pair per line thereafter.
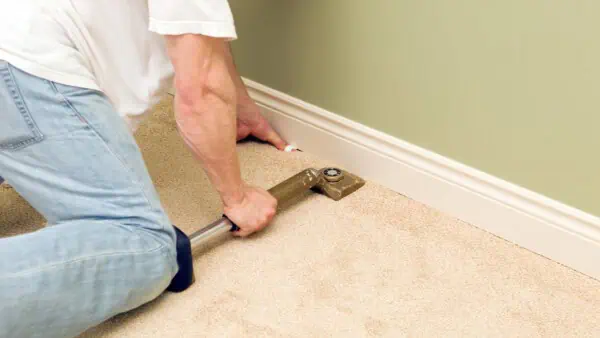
x,y
161,231
153,235
158,260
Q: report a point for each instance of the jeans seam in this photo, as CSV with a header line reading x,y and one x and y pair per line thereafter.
x,y
17,97
131,175
163,248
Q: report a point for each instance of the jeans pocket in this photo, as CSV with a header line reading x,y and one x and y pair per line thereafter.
x,y
17,126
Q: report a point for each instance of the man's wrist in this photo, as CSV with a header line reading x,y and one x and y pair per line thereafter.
x,y
244,99
231,200
232,197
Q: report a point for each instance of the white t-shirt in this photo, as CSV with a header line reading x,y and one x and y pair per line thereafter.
x,y
116,46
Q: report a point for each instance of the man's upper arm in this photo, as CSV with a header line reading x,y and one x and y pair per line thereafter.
x,y
205,17
191,28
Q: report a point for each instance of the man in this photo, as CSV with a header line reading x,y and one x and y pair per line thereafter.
x,y
75,78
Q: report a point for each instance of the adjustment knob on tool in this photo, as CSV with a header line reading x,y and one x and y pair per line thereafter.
x,y
333,174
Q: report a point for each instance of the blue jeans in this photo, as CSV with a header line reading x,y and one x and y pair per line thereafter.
x,y
109,246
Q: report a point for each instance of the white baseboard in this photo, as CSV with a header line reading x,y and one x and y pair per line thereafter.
x,y
537,223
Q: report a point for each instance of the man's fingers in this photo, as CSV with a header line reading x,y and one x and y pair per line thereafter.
x,y
241,233
245,233
267,134
242,131
276,140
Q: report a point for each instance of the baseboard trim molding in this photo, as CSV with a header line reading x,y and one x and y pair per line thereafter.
x,y
547,227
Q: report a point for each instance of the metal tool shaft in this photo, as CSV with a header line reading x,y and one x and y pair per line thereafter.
x,y
212,230
283,192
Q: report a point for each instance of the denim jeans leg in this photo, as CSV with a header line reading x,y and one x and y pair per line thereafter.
x,y
109,246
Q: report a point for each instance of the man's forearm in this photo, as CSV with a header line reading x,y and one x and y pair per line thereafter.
x,y
205,107
242,93
210,135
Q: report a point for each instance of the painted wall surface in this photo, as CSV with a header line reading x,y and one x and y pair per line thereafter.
x,y
509,87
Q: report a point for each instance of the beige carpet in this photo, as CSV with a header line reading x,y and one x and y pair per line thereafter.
x,y
375,264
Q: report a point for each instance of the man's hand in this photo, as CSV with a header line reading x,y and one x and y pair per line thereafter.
x,y
250,122
249,119
252,212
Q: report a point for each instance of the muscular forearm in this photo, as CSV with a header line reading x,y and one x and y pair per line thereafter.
x,y
205,107
242,93
211,136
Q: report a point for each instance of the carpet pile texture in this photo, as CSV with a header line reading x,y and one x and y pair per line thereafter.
x,y
375,264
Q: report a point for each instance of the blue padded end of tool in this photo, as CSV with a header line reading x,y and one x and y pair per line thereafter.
x,y
185,276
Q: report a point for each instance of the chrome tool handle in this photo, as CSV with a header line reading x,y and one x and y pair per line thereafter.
x,y
283,192
214,229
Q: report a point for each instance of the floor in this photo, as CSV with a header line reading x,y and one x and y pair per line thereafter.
x,y
375,264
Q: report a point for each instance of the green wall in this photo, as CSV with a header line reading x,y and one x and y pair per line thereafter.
x,y
509,87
